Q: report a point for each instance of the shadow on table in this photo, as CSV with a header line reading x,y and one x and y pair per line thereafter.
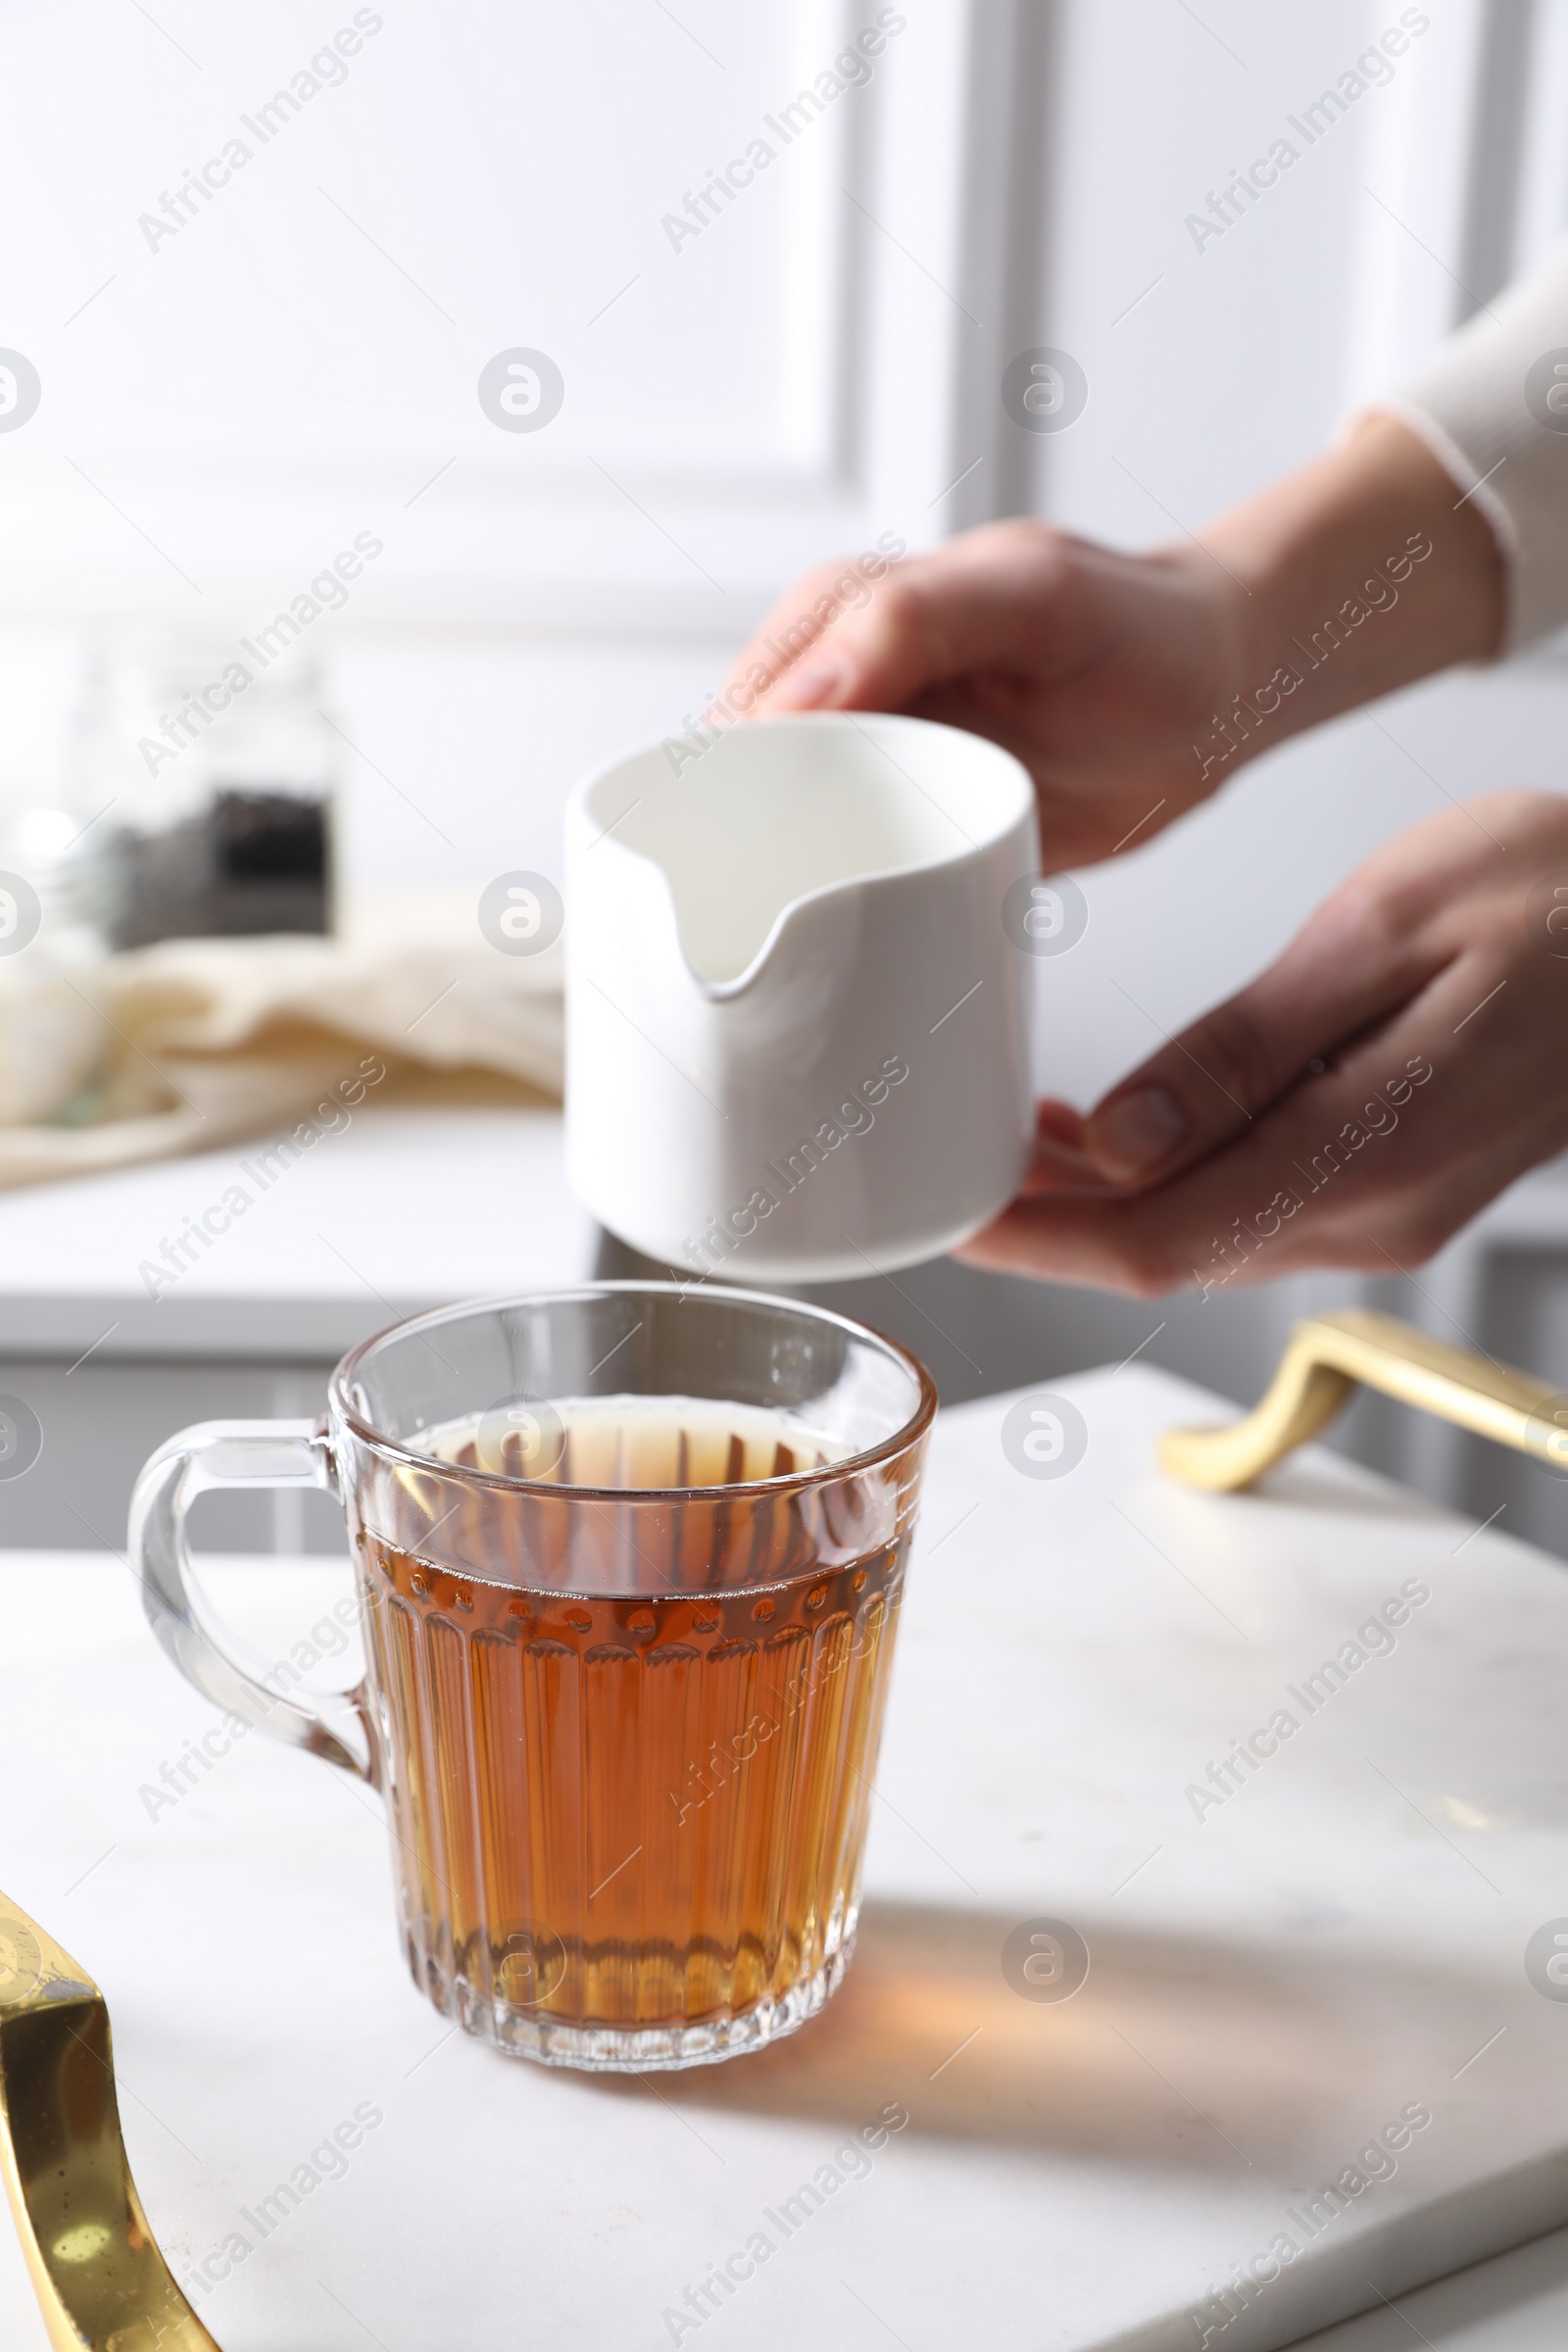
x,y
1316,1485
1223,2055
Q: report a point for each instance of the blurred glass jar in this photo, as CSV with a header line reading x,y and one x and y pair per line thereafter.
x,y
216,767
56,900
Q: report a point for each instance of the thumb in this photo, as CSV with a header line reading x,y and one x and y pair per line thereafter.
x,y
1338,976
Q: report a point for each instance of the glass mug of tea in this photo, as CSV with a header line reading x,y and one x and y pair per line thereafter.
x,y
630,1559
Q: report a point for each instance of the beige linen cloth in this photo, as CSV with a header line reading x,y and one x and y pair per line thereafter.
x,y
198,1043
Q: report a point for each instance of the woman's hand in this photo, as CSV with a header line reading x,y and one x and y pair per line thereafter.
x,y
1099,670
1133,686
1405,1060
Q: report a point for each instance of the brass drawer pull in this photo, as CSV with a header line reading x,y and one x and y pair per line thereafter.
x,y
1327,1356
95,2264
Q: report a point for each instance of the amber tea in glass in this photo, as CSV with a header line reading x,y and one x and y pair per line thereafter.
x,y
631,1560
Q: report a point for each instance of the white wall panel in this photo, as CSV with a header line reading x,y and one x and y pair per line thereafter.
x,y
298,360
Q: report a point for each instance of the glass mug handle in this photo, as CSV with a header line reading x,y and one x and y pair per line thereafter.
x,y
246,1454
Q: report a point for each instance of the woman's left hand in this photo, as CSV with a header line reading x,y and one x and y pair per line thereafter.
x,y
1405,1060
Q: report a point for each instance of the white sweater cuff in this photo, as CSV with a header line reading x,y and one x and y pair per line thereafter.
x,y
1482,405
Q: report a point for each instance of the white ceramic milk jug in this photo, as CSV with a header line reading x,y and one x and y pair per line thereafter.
x,y
797,1032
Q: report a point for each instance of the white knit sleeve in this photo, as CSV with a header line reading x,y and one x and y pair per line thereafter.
x,y
1491,403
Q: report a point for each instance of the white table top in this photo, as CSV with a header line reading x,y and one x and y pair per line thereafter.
x,y
1271,1986
407,1207
1518,2302
414,1204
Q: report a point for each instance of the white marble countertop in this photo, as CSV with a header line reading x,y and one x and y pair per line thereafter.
x,y
1518,2302
1272,1984
412,1205
407,1207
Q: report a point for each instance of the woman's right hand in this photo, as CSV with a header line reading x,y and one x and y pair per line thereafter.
x,y
1133,686
1099,670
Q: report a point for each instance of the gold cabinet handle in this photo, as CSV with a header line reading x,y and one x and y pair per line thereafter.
x,y
1325,1359
95,2266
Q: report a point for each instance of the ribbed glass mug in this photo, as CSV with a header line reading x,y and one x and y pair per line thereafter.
x,y
630,1560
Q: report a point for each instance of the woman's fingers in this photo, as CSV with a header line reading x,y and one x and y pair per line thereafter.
x,y
1061,1164
1417,905
876,636
839,638
1344,971
1099,671
1372,1161
1406,1060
